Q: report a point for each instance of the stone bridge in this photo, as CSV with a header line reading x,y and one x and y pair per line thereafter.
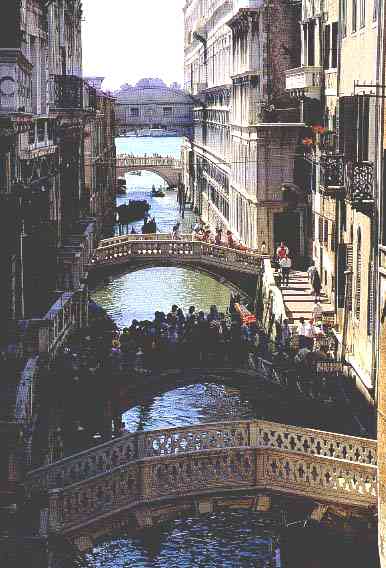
x,y
151,475
135,252
167,167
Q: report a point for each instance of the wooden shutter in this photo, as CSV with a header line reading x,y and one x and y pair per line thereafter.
x,y
370,301
340,281
349,266
347,127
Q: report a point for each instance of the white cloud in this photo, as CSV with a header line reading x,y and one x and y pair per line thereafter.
x,y
125,40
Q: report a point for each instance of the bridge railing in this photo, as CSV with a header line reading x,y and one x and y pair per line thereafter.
x,y
192,439
125,160
119,252
149,237
175,476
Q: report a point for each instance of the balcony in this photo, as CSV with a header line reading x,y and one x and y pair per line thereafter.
x,y
332,175
15,82
304,80
71,93
360,180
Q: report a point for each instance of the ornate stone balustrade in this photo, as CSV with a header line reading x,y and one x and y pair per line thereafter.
x,y
305,79
203,437
125,160
145,237
181,251
203,472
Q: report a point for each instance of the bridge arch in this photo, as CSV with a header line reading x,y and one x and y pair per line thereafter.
x,y
170,177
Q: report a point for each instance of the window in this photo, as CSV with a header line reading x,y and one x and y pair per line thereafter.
x,y
327,47
362,13
31,134
334,45
134,111
375,9
344,18
311,44
168,111
325,236
41,130
354,15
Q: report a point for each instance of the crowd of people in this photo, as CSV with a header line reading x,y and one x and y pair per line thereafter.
x,y
179,338
203,232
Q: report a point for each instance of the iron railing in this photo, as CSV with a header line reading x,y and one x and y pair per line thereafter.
x,y
360,180
331,172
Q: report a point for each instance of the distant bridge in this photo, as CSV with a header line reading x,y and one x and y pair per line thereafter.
x,y
157,473
167,167
135,252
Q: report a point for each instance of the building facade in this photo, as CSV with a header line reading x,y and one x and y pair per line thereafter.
x,y
239,164
57,169
151,104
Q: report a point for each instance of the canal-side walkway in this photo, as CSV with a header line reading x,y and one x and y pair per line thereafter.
x,y
299,300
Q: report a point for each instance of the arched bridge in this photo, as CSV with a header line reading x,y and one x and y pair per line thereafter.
x,y
168,167
135,252
91,493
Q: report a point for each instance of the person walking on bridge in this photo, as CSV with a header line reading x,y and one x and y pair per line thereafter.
x,y
285,264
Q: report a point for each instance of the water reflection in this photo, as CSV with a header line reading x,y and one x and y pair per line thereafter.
x,y
189,405
227,540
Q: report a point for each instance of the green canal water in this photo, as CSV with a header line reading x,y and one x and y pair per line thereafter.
x,y
232,539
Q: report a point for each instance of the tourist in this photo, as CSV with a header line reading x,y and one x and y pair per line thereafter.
x,y
316,285
285,264
230,240
310,333
218,237
310,273
317,312
302,333
285,334
133,231
176,231
263,249
282,250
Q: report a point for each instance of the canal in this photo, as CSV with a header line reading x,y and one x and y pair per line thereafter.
x,y
233,539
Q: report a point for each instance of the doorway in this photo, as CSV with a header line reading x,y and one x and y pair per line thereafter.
x,y
286,228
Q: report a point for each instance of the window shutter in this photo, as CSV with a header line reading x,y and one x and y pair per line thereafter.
x,y
333,237
370,301
347,127
349,266
340,281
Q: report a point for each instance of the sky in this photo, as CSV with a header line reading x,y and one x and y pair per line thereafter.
x,y
126,40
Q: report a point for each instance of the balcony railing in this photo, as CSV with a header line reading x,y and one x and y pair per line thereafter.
x,y
304,79
360,180
15,82
69,92
331,173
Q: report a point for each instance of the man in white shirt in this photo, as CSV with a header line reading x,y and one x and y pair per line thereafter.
x,y
310,333
285,264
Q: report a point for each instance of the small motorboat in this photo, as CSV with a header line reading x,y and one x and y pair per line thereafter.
x,y
157,192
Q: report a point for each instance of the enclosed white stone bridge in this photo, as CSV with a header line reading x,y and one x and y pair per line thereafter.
x,y
167,167
145,473
135,252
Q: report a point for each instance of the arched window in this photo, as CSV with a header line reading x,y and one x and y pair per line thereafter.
x,y
358,276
